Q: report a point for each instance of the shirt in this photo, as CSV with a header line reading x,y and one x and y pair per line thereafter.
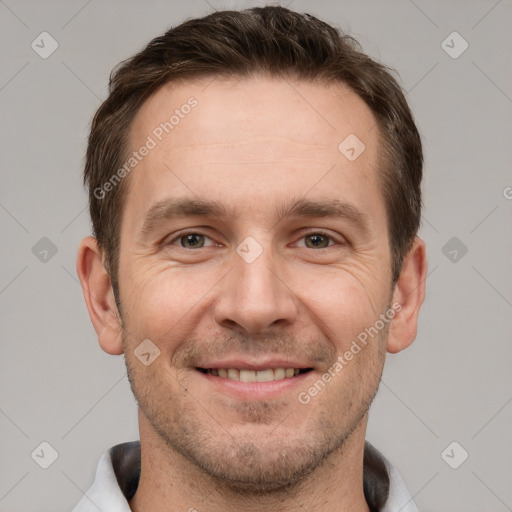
x,y
118,472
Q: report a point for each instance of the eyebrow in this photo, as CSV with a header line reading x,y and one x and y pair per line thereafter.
x,y
175,208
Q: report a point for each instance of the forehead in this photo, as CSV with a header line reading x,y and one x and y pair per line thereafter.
x,y
227,109
266,137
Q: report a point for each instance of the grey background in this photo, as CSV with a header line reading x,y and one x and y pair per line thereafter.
x,y
453,384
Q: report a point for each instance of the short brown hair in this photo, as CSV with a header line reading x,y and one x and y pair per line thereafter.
x,y
273,41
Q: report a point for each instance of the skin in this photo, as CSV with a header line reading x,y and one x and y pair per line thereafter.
x,y
254,145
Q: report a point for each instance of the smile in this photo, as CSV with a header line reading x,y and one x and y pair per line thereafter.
x,y
265,375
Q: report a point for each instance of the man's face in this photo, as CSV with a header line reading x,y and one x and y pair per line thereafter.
x,y
269,284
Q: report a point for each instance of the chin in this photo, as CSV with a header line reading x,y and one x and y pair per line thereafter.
x,y
250,467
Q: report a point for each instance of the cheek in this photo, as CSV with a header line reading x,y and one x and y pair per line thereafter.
x,y
342,303
162,301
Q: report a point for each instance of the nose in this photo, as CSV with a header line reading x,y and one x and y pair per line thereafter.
x,y
255,296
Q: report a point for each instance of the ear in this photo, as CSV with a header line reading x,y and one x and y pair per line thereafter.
x,y
409,293
99,296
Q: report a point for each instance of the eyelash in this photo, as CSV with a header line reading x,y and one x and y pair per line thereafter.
x,y
316,232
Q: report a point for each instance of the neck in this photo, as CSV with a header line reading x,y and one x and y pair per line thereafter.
x,y
170,481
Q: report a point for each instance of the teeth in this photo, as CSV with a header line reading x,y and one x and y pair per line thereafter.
x,y
247,376
233,374
279,373
265,375
255,376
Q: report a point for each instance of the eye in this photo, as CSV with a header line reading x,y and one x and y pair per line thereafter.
x,y
317,240
191,240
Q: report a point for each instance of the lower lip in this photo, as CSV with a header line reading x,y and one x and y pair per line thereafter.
x,y
256,390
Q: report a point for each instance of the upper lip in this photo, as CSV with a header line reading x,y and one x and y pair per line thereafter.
x,y
245,364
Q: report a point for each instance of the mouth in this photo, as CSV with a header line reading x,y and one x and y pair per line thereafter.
x,y
245,375
260,382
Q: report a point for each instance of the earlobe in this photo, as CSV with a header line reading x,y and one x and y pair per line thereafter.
x,y
99,297
409,292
